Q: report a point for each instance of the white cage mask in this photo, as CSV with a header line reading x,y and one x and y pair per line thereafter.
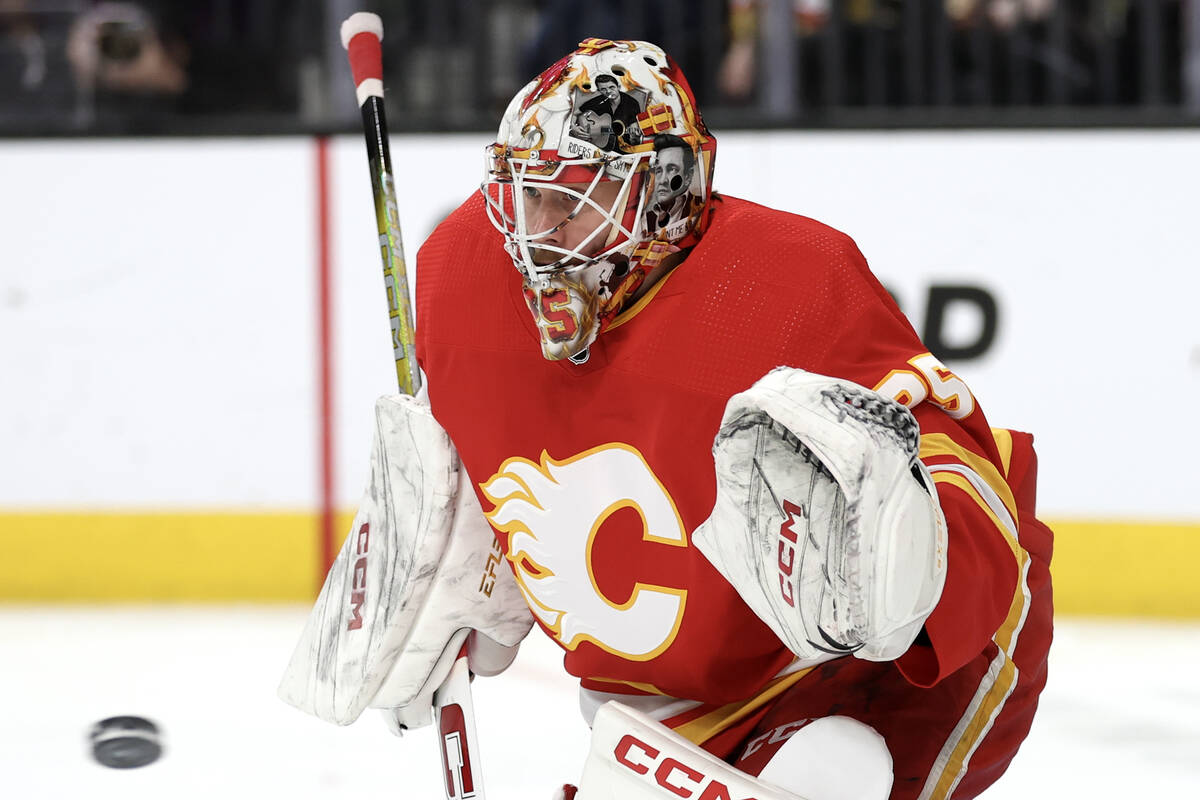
x,y
571,183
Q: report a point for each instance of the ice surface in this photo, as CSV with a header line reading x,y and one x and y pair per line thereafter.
x,y
1120,717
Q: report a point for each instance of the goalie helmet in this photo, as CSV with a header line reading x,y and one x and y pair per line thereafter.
x,y
601,169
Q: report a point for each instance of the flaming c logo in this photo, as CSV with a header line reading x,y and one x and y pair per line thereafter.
x,y
553,511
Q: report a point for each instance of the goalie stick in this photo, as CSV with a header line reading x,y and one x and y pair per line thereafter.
x,y
361,36
454,713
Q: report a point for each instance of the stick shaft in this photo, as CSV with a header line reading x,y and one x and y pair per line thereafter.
x,y
391,247
454,716
453,706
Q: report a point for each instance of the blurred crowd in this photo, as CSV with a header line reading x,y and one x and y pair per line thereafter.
x,y
989,53
146,64
151,65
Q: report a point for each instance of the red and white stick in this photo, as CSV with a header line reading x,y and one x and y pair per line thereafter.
x,y
454,711
454,716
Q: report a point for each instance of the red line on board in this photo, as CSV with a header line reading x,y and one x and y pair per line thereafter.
x,y
324,363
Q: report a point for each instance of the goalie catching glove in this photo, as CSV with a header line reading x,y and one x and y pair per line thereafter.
x,y
420,574
826,522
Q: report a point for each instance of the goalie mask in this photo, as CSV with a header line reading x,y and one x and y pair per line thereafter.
x,y
601,169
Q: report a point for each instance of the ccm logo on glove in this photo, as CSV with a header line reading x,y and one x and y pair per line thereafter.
x,y
787,550
358,584
672,774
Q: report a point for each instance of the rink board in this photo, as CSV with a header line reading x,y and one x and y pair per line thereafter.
x,y
160,424
222,557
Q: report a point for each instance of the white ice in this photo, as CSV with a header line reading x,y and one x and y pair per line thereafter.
x,y
1120,717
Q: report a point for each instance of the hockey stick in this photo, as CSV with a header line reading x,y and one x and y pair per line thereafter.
x,y
361,36
454,712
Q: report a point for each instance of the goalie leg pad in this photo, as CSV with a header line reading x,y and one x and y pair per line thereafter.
x,y
633,757
825,520
833,758
420,569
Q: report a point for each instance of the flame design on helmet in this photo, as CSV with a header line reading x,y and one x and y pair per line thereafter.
x,y
612,110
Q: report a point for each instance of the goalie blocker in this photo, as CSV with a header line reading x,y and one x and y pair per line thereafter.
x,y
419,575
825,521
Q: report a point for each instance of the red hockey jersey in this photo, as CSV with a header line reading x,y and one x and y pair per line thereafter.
x,y
594,475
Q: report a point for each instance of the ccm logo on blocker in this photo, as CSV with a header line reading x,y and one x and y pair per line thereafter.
x,y
670,773
358,587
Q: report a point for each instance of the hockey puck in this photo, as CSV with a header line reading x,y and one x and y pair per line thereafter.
x,y
125,742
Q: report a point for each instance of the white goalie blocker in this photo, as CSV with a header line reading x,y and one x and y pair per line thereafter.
x,y
826,522
419,574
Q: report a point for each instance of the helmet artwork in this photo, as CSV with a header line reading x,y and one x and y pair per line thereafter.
x,y
602,168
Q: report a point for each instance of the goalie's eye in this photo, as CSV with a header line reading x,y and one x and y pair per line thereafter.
x,y
551,201
549,196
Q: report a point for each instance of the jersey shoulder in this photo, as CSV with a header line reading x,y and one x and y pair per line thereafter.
x,y
462,249
463,277
812,277
781,248
464,230
761,289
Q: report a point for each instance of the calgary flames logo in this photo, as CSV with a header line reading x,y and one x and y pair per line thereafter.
x,y
553,512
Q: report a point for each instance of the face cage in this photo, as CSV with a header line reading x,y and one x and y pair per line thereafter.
x,y
507,180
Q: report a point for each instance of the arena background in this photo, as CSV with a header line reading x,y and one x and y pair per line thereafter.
x,y
193,333
163,422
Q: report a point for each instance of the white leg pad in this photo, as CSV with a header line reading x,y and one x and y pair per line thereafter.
x,y
833,758
633,757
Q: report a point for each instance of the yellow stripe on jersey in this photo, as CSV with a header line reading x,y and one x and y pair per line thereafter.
x,y
641,303
1004,443
951,764
1007,527
939,444
993,691
1001,678
647,688
708,725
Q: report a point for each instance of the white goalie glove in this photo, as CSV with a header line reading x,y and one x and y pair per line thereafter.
x,y
826,522
420,574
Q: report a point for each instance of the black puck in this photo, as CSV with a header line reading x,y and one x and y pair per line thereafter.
x,y
125,742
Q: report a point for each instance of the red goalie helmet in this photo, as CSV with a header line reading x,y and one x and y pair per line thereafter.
x,y
601,169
